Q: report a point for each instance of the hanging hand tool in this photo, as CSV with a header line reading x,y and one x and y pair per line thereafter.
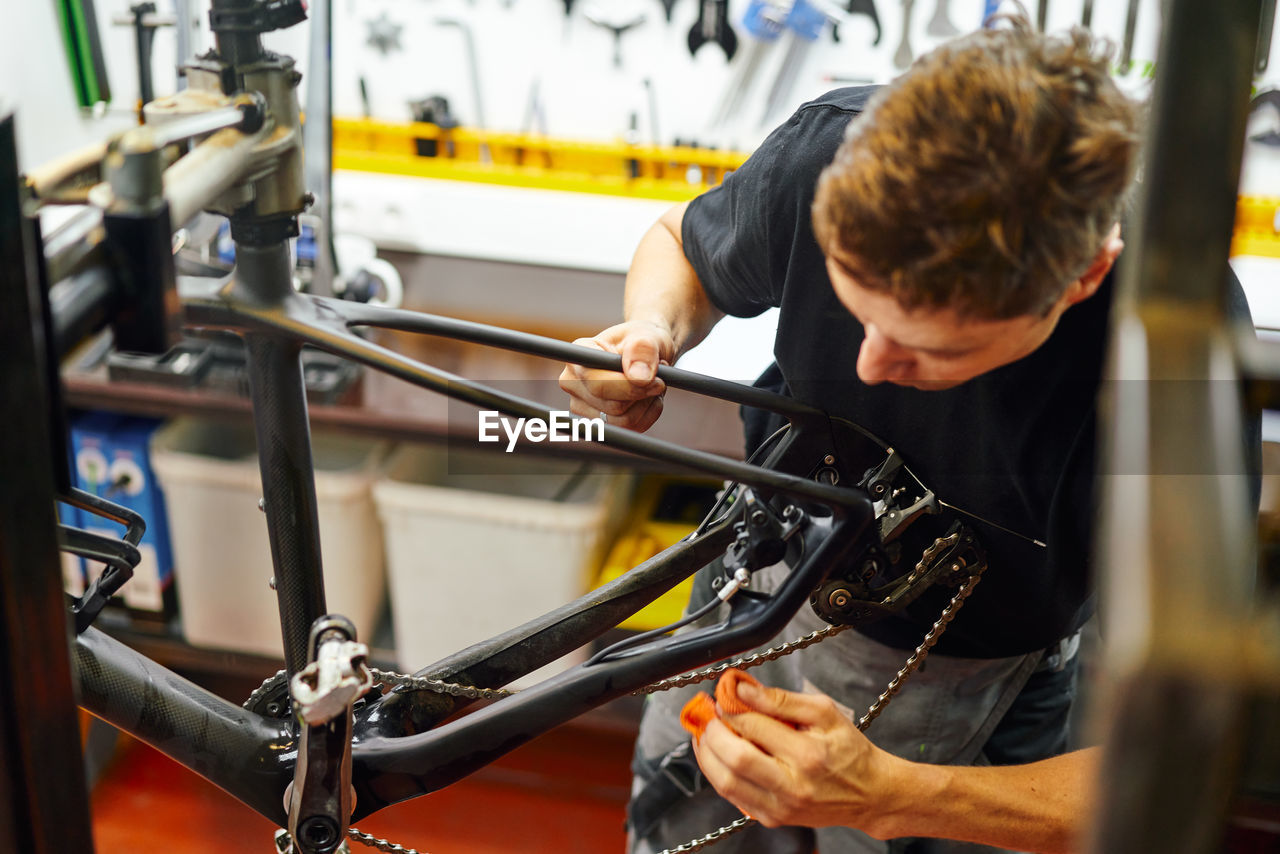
x,y
713,25
1265,26
1130,26
652,98
84,51
1086,17
144,20
902,56
593,14
535,121
383,34
763,22
989,8
861,7
474,66
804,23
366,108
940,25
434,110
1271,136
1042,15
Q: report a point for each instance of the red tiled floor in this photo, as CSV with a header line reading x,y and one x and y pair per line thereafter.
x,y
564,793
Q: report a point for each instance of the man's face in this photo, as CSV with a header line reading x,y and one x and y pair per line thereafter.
x,y
933,349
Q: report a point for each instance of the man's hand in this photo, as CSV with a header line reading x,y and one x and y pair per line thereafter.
x,y
797,760
632,399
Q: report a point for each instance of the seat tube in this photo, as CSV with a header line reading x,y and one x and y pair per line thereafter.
x,y
284,452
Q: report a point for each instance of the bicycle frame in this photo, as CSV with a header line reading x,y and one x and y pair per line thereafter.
x,y
253,758
118,257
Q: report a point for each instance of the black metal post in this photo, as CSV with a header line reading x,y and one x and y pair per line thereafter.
x,y
264,274
44,804
1175,552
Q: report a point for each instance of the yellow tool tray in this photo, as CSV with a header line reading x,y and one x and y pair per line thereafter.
x,y
670,173
665,510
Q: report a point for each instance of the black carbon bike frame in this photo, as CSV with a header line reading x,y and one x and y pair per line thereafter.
x,y
398,749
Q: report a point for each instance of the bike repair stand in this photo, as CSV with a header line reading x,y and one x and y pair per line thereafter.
x,y
263,206
44,801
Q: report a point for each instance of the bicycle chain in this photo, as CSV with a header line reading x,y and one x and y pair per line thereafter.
x,y
387,677
913,663
381,844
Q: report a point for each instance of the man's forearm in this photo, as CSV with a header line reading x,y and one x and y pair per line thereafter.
x,y
662,287
1038,807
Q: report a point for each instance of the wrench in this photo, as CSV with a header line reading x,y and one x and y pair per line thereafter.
x,y
860,7
1265,27
902,56
713,25
940,24
1130,25
989,8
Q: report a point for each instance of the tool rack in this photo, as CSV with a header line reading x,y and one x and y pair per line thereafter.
x,y
419,149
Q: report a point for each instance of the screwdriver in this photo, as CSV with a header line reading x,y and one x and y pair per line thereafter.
x,y
805,22
763,22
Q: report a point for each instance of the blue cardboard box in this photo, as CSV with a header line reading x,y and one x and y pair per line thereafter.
x,y
111,459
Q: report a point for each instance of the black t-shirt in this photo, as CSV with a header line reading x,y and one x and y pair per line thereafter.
x,y
1014,446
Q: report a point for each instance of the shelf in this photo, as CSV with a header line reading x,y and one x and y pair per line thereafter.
x,y
386,407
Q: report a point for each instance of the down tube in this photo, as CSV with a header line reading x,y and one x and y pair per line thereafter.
x,y
245,754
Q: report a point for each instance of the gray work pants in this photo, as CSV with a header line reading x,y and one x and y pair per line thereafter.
x,y
953,711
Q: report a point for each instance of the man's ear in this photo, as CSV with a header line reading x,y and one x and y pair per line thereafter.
x,y
1091,279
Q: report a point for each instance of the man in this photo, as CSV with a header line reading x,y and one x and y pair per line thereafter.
x,y
941,250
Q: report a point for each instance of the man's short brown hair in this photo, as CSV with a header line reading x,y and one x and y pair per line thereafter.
x,y
985,178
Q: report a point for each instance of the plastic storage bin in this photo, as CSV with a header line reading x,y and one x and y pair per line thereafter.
x,y
479,543
222,558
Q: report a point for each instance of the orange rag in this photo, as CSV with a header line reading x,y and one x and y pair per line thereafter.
x,y
699,711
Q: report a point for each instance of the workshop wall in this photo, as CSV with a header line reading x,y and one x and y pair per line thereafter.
x,y
530,52
548,66
558,53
